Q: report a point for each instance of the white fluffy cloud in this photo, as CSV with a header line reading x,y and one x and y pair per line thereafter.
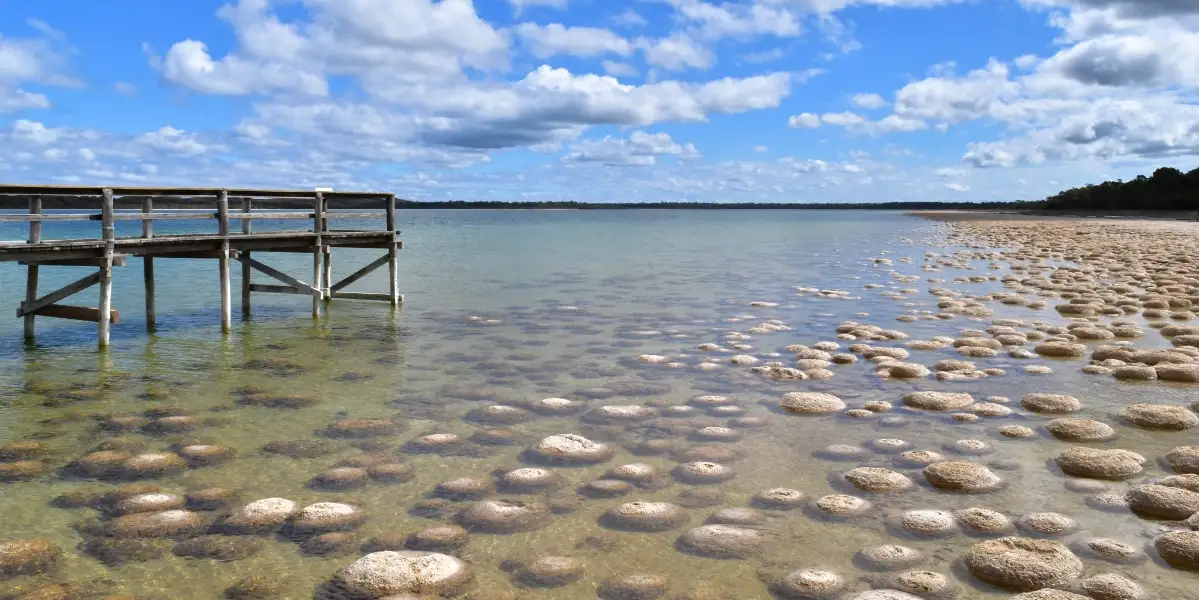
x,y
549,40
32,60
640,149
677,52
868,101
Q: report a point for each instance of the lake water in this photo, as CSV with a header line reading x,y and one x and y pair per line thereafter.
x,y
509,307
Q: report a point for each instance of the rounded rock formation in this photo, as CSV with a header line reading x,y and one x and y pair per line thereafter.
x,y
571,449
877,479
1080,430
1110,586
261,515
552,571
389,573
167,523
960,476
778,499
983,521
723,541
635,586
1159,416
504,516
1040,402
1183,459
1163,502
323,517
810,403
1099,463
841,505
889,557
644,516
928,522
1022,564
1179,549
938,401
702,472
440,538
807,583
27,557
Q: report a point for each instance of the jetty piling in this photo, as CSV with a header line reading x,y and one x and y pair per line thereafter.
x,y
108,250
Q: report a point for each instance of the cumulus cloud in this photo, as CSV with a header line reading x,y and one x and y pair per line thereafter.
x,y
804,121
32,60
676,52
544,41
868,101
639,149
957,187
188,63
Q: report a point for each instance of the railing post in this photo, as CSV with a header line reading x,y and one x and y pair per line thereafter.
x,y
246,208
223,259
109,234
148,262
318,228
393,268
31,270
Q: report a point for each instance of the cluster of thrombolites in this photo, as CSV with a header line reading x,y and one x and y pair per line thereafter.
x,y
1117,309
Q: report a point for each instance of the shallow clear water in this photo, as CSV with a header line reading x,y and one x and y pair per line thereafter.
x,y
577,296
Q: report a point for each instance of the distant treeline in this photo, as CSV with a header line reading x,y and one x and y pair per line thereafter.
x,y
1167,189
456,204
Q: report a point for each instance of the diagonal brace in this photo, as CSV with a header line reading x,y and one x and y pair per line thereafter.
x,y
277,274
67,290
359,274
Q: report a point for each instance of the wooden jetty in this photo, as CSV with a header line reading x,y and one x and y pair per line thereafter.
x,y
108,250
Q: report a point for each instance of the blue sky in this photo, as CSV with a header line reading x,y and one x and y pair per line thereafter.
x,y
751,100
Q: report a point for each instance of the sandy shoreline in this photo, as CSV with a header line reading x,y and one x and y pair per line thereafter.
x,y
998,215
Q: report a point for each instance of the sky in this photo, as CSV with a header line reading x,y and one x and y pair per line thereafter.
x,y
602,100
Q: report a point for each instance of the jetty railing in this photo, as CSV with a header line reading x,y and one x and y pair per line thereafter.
x,y
108,250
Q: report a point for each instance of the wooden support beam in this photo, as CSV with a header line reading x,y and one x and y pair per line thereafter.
x,y
205,254
359,274
118,260
393,251
108,234
276,274
326,272
31,271
148,265
319,225
78,313
247,206
223,261
83,283
363,296
278,289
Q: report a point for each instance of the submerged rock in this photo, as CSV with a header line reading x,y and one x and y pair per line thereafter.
x,y
388,573
27,557
571,449
723,541
1099,463
1023,564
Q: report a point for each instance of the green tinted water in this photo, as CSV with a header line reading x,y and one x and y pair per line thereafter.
x,y
575,295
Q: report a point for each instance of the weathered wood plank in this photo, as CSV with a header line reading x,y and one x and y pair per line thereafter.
x,y
70,289
78,313
109,235
278,289
363,296
117,261
247,207
31,271
276,274
359,274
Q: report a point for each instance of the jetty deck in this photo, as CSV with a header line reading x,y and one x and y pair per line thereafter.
x,y
224,245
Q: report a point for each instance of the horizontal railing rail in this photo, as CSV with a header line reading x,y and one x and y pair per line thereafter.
x,y
107,213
